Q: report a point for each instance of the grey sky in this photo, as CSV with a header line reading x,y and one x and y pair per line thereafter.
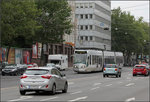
x,y
137,8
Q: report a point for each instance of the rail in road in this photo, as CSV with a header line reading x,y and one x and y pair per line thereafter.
x,y
91,87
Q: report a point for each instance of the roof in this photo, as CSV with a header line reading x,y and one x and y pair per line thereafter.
x,y
49,68
140,65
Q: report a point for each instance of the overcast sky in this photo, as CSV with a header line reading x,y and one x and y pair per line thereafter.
x,y
137,8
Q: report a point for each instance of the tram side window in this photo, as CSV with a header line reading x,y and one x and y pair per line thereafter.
x,y
119,60
109,60
100,59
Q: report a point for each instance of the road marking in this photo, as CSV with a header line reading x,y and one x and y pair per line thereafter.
x,y
97,84
128,77
94,88
70,83
120,82
130,99
109,85
130,84
76,92
49,99
8,88
87,78
22,98
77,99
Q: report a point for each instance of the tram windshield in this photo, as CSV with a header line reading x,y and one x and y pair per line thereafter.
x,y
80,58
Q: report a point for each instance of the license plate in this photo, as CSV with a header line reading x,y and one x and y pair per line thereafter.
x,y
138,72
32,87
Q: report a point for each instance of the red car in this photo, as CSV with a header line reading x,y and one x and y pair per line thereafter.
x,y
140,70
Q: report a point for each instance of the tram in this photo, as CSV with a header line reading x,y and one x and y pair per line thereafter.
x,y
95,60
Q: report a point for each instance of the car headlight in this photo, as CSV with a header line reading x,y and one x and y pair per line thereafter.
x,y
75,66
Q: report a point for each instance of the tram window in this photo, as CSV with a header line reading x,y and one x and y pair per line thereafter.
x,y
100,60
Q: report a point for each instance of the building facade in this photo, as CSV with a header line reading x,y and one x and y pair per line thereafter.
x,y
93,17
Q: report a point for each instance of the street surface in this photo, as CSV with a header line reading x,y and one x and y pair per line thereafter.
x,y
85,87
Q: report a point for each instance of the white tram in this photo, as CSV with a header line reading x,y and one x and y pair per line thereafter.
x,y
95,60
88,60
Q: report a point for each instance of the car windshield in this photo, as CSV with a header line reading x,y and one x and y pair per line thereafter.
x,y
10,66
139,67
111,66
36,71
80,58
50,65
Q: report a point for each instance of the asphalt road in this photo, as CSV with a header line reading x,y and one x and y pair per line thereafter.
x,y
85,87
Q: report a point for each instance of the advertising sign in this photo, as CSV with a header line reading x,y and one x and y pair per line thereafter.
x,y
18,56
39,50
3,54
26,57
35,50
11,56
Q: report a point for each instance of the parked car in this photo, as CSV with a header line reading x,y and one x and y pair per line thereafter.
x,y
43,79
52,65
32,65
112,69
140,70
10,69
147,67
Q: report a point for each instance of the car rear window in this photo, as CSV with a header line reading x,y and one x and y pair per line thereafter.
x,y
140,67
36,71
111,66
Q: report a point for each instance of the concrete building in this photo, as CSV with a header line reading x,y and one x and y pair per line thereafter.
x,y
71,39
93,17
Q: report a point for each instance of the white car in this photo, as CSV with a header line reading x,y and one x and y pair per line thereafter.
x,y
43,79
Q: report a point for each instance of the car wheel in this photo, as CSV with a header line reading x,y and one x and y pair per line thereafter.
x,y
107,75
134,75
65,88
103,75
22,92
117,76
54,89
120,75
3,74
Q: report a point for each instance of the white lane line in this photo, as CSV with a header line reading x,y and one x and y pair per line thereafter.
x,y
109,85
95,84
120,82
76,92
77,99
130,99
22,98
49,99
128,77
130,84
70,83
94,88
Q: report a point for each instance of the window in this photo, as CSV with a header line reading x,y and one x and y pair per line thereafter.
x,y
86,27
36,71
86,38
81,37
77,6
91,27
81,27
91,16
91,6
81,16
86,16
86,6
81,6
91,38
